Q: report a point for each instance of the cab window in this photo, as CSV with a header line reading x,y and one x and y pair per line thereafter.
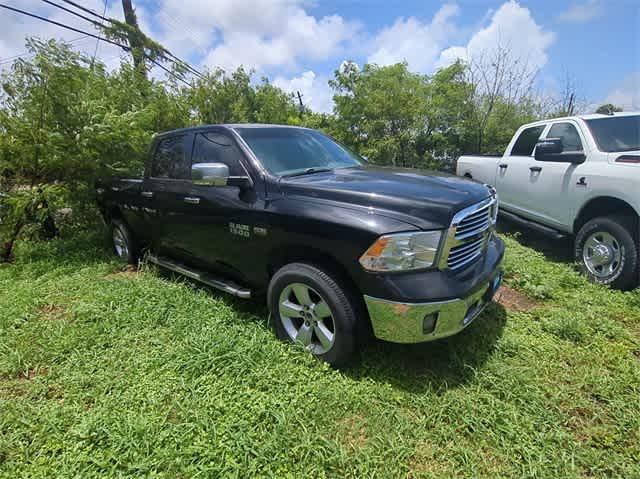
x,y
527,140
170,159
568,134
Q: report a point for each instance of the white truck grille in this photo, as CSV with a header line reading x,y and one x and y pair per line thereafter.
x,y
468,234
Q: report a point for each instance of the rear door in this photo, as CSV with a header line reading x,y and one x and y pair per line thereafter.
x,y
164,190
512,177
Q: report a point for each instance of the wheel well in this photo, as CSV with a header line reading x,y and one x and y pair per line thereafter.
x,y
605,206
112,213
298,254
468,175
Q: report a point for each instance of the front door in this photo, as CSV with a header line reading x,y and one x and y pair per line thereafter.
x,y
556,188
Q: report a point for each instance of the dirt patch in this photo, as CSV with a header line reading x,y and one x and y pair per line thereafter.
x,y
514,300
52,312
352,431
128,271
427,461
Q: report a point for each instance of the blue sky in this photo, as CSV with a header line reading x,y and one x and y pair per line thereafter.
x,y
299,43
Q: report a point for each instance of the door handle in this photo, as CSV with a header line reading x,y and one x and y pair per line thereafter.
x,y
147,194
191,200
503,166
536,169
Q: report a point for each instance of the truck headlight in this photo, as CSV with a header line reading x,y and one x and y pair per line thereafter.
x,y
402,251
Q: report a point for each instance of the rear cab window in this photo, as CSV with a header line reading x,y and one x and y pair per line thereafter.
x,y
171,159
526,141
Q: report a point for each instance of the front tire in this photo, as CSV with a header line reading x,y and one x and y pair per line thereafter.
x,y
607,253
123,242
311,307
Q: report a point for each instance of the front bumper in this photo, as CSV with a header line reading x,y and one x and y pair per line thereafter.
x,y
406,322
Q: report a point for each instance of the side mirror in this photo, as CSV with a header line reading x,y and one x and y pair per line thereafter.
x,y
552,149
212,174
550,146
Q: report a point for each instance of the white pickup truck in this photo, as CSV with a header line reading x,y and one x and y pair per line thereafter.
x,y
576,176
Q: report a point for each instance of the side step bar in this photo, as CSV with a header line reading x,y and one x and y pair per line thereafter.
x,y
206,278
545,230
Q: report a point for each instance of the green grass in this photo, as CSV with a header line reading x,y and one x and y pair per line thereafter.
x,y
118,374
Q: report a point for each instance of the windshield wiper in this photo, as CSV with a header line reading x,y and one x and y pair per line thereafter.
x,y
308,171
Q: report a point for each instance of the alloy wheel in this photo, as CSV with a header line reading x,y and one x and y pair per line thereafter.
x,y
120,243
307,318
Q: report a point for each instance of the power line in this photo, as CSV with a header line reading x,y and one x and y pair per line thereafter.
x,y
72,12
62,25
27,54
106,19
95,50
88,10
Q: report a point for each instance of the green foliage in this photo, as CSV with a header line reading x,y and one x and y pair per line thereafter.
x,y
381,110
222,98
401,118
106,372
608,109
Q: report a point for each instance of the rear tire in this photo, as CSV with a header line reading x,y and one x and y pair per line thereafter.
x,y
123,242
311,307
606,250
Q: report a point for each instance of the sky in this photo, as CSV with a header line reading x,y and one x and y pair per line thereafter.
x,y
298,44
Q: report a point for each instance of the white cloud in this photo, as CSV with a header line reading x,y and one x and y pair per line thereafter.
x,y
511,27
415,42
627,93
255,33
582,12
314,89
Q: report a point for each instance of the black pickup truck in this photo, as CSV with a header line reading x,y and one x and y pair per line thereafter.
x,y
339,247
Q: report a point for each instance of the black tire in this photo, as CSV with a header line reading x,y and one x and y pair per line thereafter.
x,y
323,287
128,249
625,275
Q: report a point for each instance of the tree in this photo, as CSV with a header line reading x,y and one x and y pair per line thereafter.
x,y
382,109
66,121
218,97
608,109
501,82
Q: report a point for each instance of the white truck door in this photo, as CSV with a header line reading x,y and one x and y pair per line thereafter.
x,y
555,187
512,176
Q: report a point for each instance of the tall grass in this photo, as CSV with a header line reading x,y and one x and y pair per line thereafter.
x,y
139,374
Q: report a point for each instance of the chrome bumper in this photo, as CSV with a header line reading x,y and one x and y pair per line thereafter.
x,y
405,322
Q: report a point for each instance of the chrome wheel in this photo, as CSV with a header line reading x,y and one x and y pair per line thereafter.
x,y
602,254
120,243
307,318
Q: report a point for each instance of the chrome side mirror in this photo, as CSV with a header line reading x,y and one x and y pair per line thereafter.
x,y
212,174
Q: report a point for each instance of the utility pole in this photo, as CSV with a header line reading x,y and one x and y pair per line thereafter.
x,y
135,41
571,104
301,105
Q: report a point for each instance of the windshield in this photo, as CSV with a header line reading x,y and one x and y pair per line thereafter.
x,y
287,151
621,133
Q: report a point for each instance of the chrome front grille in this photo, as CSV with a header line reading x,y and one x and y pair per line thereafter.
x,y
474,223
466,252
468,234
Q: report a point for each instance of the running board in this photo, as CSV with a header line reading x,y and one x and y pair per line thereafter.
x,y
206,278
545,230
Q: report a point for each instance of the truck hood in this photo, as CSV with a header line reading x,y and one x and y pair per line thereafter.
x,y
425,199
